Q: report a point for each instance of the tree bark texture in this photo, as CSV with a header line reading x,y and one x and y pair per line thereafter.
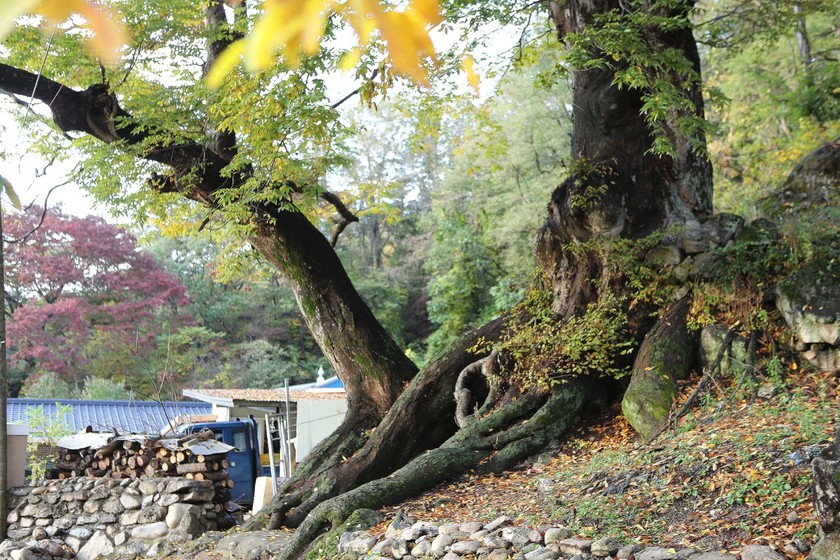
x,y
517,429
628,192
400,435
421,419
376,438
802,40
825,469
373,368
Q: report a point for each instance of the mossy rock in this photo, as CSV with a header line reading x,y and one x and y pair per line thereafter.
x,y
759,231
362,519
648,400
810,302
736,357
666,355
326,546
811,189
828,548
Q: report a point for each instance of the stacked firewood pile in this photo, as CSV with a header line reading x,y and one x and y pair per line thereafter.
x,y
196,456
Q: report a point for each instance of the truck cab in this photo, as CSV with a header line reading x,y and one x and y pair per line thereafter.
x,y
244,461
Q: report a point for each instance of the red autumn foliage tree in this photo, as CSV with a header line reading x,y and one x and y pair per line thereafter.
x,y
70,279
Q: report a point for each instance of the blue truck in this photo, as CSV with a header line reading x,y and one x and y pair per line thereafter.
x,y
245,461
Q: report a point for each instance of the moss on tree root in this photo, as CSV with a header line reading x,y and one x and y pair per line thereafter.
x,y
342,443
513,432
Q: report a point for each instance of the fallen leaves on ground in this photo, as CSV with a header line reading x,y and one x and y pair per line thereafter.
x,y
734,473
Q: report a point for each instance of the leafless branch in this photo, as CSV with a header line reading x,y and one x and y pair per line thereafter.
x,y
132,63
346,217
43,214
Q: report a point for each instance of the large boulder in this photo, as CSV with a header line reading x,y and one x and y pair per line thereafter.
x,y
828,548
810,299
826,472
734,358
825,469
810,189
717,231
666,356
810,303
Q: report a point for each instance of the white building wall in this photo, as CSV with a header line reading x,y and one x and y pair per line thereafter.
x,y
16,453
316,419
222,413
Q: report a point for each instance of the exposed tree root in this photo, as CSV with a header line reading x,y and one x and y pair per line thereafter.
x,y
345,441
466,408
514,431
421,419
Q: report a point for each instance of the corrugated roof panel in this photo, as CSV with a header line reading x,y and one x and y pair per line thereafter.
x,y
125,416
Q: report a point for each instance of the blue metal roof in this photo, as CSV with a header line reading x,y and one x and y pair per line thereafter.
x,y
125,416
331,383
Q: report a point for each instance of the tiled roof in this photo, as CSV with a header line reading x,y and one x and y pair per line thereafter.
x,y
125,416
263,395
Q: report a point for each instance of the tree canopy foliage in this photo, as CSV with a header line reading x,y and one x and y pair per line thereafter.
x,y
783,103
447,190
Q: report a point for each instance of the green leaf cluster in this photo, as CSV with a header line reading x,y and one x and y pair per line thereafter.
x,y
44,430
780,107
542,349
507,156
50,386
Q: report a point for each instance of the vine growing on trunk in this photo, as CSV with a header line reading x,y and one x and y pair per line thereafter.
x,y
538,350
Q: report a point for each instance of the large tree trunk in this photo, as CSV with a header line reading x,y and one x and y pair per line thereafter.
x,y
521,427
620,188
421,419
371,365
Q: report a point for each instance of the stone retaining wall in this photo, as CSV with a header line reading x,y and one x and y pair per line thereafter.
x,y
499,540
90,517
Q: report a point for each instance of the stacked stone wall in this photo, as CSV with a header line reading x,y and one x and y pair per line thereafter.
x,y
91,517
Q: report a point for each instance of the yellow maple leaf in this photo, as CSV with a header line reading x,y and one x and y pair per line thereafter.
x,y
469,67
225,63
296,27
429,10
350,58
109,34
363,17
409,44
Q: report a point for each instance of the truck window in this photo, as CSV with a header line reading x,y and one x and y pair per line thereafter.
x,y
239,441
